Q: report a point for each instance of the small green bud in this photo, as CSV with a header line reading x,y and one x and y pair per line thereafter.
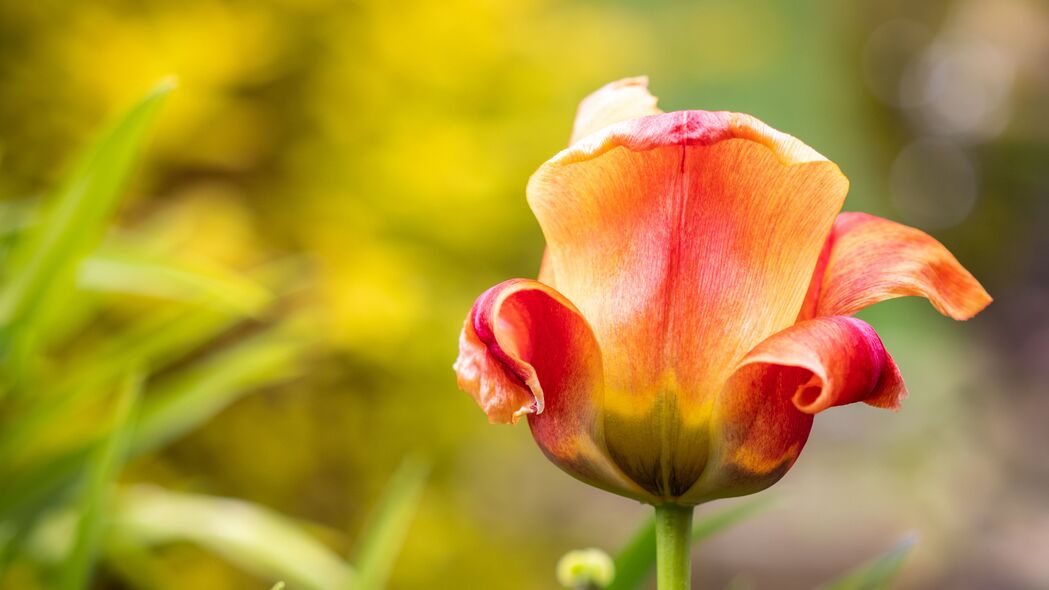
x,y
585,568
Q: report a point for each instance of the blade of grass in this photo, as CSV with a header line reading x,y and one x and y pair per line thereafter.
x,y
636,562
137,566
186,401
42,267
712,524
16,216
169,410
154,341
8,545
384,535
102,471
876,574
32,491
112,271
252,537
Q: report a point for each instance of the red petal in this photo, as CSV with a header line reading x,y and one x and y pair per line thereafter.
x,y
764,414
525,349
845,358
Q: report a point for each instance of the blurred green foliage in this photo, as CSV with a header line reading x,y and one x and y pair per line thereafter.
x,y
60,508
877,574
69,424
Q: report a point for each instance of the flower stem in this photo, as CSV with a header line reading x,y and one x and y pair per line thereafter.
x,y
673,539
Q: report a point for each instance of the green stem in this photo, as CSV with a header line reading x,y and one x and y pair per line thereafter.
x,y
673,538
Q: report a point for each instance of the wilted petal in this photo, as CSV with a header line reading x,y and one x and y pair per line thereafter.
x,y
763,416
614,102
685,239
868,259
526,350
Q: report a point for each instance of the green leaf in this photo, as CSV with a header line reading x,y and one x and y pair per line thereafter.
x,y
169,410
182,403
278,586
726,518
102,471
383,537
637,560
252,537
113,271
16,216
42,267
154,341
876,574
9,544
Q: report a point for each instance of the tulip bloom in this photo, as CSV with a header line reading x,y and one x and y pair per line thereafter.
x,y
693,310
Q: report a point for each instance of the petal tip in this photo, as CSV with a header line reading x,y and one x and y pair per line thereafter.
x,y
871,259
974,304
644,131
617,101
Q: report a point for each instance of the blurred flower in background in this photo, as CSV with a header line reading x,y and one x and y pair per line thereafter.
x,y
383,142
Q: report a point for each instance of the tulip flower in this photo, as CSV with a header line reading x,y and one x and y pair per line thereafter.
x,y
693,309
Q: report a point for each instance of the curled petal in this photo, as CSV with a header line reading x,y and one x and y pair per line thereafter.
x,y
526,350
614,102
686,239
868,259
505,387
845,358
764,414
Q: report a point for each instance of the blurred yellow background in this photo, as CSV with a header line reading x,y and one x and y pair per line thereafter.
x,y
389,144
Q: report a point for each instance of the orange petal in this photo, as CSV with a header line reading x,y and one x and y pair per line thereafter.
x,y
868,259
526,350
546,272
617,101
686,239
614,102
764,413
